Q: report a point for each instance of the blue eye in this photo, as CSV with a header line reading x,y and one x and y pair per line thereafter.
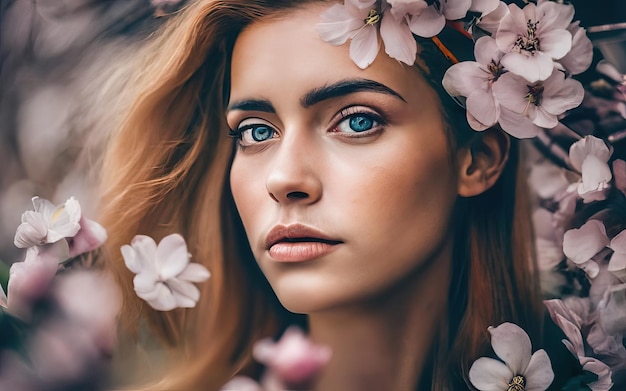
x,y
357,123
261,133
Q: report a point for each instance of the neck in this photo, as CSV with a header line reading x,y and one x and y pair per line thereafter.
x,y
385,342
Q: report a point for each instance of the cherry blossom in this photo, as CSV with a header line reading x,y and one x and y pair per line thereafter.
x,y
527,108
489,21
617,263
590,157
533,37
582,244
512,345
474,81
164,274
48,223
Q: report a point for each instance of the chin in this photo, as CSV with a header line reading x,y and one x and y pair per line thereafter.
x,y
308,295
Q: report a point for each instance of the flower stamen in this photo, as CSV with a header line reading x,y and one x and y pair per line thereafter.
x,y
518,383
535,94
530,42
373,18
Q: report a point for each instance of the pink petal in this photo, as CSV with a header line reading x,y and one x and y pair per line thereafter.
x,y
545,119
533,68
512,345
618,243
186,293
3,298
539,373
463,78
484,6
194,272
579,58
580,245
400,9
172,256
589,145
561,94
487,374
510,91
609,70
554,16
604,381
398,41
146,253
359,8
619,170
486,50
90,236
455,9
364,47
337,25
163,300
574,338
596,175
45,207
512,26
618,259
491,21
474,123
517,125
32,231
428,23
482,105
146,285
241,383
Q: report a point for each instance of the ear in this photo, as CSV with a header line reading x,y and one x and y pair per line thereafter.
x,y
482,162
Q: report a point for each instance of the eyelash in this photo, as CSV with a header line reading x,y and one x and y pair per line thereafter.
x,y
344,114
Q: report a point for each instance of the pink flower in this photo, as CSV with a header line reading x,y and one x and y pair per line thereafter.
x,y
590,157
617,263
579,58
526,108
474,80
89,237
293,361
582,244
48,223
164,274
489,21
512,345
533,37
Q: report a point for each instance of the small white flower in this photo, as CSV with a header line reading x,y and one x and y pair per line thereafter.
x,y
48,223
164,274
582,244
590,157
512,345
533,37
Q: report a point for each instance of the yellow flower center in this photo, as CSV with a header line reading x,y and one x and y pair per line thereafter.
x,y
518,383
373,18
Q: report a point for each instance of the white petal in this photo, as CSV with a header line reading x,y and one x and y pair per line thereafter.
x,y
32,231
364,47
486,50
337,25
474,123
568,95
510,91
554,16
131,260
455,9
556,43
581,244
574,338
172,256
146,252
512,26
512,345
465,77
72,208
146,285
609,70
579,58
487,374
185,293
545,119
589,145
618,243
194,272
484,6
618,259
539,373
45,207
241,383
163,300
533,68
398,41
595,173
491,21
428,23
517,125
482,105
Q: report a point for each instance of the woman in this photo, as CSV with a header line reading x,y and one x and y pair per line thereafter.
x,y
354,202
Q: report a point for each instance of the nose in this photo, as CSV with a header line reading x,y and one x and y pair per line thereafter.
x,y
294,173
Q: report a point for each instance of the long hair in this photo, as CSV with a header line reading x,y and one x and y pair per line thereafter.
x,y
166,170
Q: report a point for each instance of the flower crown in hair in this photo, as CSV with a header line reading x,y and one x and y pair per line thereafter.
x,y
525,57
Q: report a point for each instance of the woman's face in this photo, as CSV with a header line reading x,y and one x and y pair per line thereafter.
x,y
342,176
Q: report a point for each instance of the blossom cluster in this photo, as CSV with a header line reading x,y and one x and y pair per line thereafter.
x,y
524,56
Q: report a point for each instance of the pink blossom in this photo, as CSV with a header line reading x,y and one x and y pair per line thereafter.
x,y
294,360
533,37
617,263
590,157
527,108
89,237
579,58
48,223
490,21
474,80
582,244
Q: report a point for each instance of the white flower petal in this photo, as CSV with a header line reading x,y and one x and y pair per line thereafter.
x,y
554,16
556,43
463,78
512,345
163,300
474,123
545,119
579,58
517,125
561,94
146,285
338,25
539,373
510,91
574,338
45,207
185,293
428,23
581,244
194,272
512,25
482,105
32,231
596,174
455,9
146,252
3,298
172,256
589,145
398,41
486,50
487,374
491,21
131,260
618,243
484,6
532,68
364,47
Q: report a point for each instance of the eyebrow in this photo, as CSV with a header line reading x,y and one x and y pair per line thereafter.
x,y
317,95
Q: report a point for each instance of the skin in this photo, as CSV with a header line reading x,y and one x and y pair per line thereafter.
x,y
386,194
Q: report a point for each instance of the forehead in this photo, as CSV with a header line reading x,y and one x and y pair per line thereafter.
x,y
285,55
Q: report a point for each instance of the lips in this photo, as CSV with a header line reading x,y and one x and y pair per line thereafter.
x,y
297,243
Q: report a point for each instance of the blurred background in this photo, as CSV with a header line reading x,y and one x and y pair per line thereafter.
x,y
55,58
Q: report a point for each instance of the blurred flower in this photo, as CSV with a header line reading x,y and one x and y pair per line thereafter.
x,y
293,361
590,157
533,37
30,279
474,80
512,345
48,223
164,274
619,170
568,322
241,383
582,244
89,237
528,108
617,263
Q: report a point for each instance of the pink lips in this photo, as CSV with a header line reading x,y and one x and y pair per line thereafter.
x,y
298,243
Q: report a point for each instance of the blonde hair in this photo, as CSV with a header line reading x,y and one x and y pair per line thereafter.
x,y
166,170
